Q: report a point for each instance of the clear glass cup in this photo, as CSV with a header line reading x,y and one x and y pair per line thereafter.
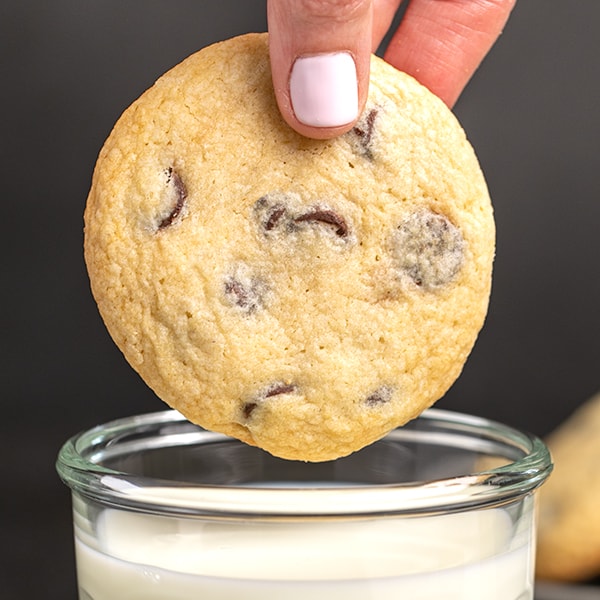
x,y
443,507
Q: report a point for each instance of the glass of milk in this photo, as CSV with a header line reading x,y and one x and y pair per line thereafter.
x,y
443,507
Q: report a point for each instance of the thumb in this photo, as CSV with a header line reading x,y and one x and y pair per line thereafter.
x,y
320,57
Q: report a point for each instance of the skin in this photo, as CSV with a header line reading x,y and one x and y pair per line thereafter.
x,y
439,42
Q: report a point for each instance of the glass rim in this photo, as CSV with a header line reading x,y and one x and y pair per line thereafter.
x,y
489,487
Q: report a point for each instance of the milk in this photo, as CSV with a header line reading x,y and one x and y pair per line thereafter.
x,y
482,554
441,510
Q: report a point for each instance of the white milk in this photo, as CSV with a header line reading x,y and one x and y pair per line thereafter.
x,y
477,555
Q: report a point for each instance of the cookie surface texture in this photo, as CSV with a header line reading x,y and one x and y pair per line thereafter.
x,y
304,296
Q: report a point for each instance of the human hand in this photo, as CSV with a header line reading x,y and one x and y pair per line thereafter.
x,y
320,52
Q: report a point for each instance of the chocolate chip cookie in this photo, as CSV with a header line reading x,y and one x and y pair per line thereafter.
x,y
305,296
569,523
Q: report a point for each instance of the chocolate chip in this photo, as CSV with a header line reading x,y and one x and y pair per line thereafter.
x,y
274,217
280,388
245,292
271,211
364,130
428,249
286,213
380,396
329,217
178,192
248,408
276,389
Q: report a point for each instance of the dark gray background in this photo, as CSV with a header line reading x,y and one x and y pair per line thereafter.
x,y
69,67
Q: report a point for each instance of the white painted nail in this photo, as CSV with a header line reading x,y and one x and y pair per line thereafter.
x,y
324,90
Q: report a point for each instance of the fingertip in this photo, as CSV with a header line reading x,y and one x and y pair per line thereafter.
x,y
324,90
323,98
320,67
321,109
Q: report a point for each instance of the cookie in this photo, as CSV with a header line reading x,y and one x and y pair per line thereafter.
x,y
305,296
569,519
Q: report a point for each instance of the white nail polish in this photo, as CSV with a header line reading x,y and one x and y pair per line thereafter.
x,y
324,90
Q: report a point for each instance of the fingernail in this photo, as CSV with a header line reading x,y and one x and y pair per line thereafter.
x,y
324,90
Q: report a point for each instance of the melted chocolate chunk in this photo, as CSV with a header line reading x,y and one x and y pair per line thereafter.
x,y
274,217
363,130
248,408
271,211
380,396
247,294
428,249
329,217
280,213
280,388
179,192
276,389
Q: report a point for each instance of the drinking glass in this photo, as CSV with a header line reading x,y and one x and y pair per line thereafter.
x,y
443,507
